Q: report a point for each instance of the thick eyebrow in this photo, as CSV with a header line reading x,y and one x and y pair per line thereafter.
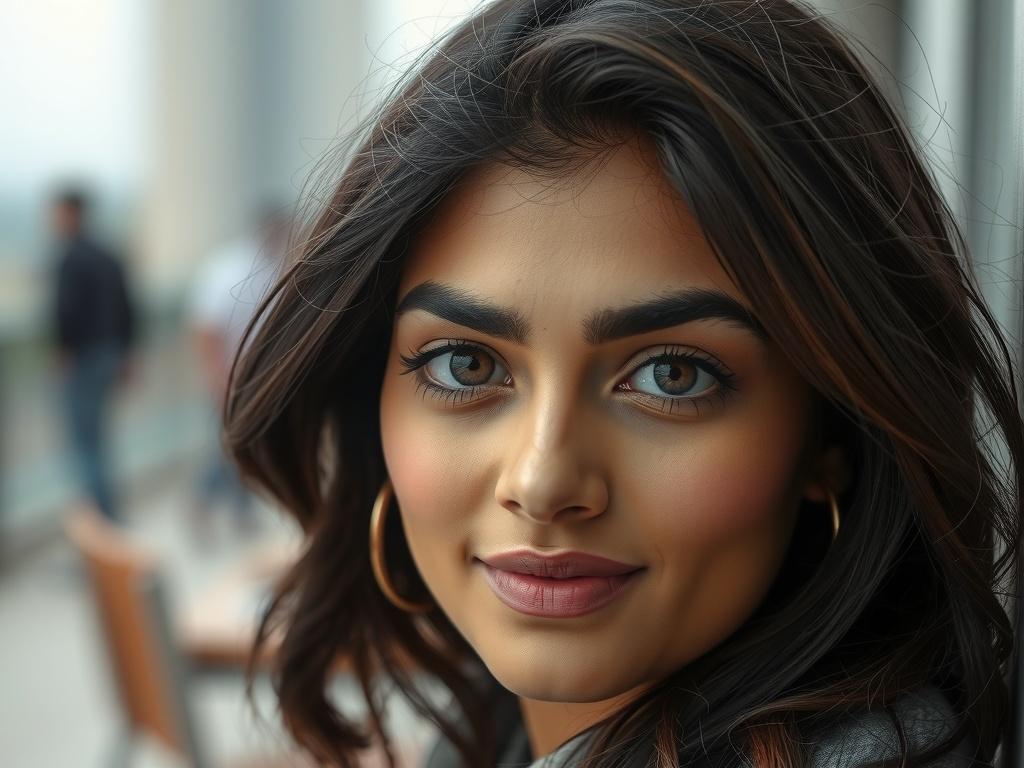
x,y
463,308
667,310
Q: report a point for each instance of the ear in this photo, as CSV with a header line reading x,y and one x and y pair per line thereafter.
x,y
831,472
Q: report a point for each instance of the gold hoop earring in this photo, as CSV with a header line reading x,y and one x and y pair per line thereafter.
x,y
834,505
377,519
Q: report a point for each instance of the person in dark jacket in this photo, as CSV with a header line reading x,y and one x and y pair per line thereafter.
x,y
94,329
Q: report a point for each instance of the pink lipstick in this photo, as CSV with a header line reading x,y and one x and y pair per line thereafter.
x,y
556,586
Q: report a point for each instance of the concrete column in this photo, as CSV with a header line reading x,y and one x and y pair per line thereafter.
x,y
200,177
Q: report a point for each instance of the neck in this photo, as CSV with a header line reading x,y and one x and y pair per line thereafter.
x,y
549,724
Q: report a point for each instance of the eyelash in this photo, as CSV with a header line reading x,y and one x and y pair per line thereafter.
x,y
452,397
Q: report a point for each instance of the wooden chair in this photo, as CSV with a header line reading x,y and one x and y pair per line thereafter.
x,y
151,675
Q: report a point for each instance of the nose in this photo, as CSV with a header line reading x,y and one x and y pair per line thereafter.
x,y
550,473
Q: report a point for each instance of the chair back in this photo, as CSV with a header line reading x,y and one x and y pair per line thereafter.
x,y
134,618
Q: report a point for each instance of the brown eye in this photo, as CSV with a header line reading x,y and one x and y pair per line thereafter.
x,y
680,379
470,368
458,367
673,378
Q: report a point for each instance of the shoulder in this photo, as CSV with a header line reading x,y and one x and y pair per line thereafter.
x,y
229,266
238,254
88,248
926,717
88,255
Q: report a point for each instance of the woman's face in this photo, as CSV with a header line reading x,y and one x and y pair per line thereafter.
x,y
587,384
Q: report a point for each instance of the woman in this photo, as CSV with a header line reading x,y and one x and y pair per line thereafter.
x,y
625,386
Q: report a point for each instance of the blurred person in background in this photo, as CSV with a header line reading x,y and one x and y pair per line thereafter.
x,y
94,330
224,296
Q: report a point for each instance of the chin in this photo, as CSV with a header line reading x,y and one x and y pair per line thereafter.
x,y
553,679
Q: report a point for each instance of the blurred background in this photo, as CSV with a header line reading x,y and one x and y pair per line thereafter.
x,y
158,150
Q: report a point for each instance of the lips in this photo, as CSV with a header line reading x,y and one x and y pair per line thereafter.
x,y
561,566
556,586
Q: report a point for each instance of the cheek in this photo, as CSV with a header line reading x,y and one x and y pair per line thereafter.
x,y
427,468
734,483
417,474
716,507
415,466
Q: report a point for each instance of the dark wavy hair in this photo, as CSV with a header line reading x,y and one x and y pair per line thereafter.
x,y
813,196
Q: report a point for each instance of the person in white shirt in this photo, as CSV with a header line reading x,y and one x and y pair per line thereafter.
x,y
224,297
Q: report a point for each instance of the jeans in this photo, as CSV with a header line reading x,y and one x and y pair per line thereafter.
x,y
220,478
88,387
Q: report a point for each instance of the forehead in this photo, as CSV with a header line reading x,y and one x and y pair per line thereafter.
x,y
616,229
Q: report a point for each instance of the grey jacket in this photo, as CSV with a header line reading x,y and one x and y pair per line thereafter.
x,y
926,715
